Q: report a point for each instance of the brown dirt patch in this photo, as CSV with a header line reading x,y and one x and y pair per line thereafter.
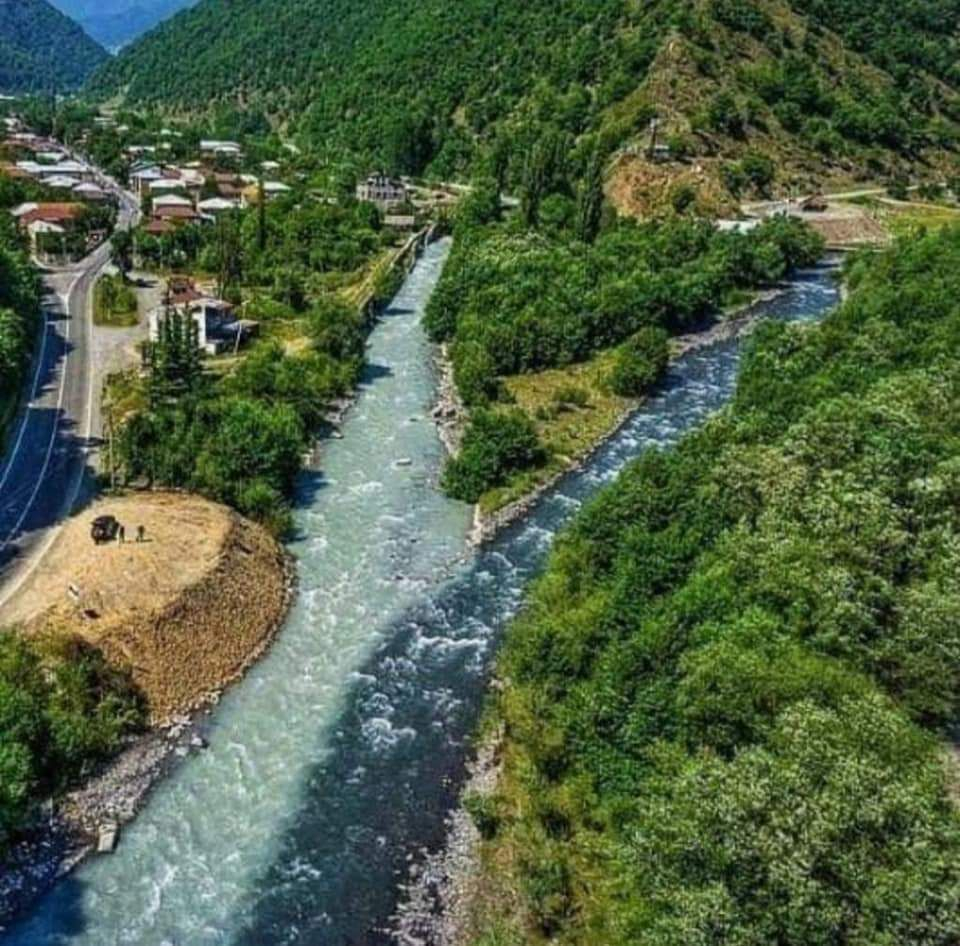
x,y
855,228
187,611
641,188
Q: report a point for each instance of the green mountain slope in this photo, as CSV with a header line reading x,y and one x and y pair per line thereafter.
x,y
41,49
358,69
421,81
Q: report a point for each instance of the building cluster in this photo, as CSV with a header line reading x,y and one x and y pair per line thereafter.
x,y
65,185
196,192
385,192
52,166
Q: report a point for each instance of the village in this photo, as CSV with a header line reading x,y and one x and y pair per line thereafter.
x,y
194,191
70,208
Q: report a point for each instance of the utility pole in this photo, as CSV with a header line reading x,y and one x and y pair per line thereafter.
x,y
654,128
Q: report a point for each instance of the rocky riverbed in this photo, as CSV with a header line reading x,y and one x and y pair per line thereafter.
x,y
437,898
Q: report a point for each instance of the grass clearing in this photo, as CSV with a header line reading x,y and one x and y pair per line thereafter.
x,y
573,410
907,220
114,303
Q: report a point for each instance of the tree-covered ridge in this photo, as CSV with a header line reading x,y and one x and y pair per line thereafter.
x,y
41,50
418,75
420,83
724,704
899,37
20,294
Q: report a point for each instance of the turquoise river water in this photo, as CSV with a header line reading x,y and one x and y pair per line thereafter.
x,y
341,752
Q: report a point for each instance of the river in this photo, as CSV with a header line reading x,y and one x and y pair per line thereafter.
x,y
340,753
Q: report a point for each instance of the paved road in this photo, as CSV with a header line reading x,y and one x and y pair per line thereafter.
x,y
47,469
760,205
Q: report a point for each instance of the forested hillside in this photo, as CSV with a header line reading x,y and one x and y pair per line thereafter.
x,y
19,312
724,706
420,83
41,50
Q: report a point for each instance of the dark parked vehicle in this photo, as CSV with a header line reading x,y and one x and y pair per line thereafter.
x,y
105,529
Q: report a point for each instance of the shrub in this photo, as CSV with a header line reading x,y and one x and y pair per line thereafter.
x,y
496,444
640,362
337,330
570,396
484,810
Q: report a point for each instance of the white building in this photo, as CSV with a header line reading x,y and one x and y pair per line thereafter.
x,y
218,328
30,167
61,182
167,185
91,192
70,168
171,200
737,226
142,178
217,205
222,149
384,191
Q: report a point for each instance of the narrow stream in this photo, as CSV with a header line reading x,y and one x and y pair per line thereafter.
x,y
343,749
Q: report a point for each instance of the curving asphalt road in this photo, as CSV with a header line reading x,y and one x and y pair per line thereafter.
x,y
46,469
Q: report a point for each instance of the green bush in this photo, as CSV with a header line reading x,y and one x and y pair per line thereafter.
x,y
640,363
485,813
114,302
62,710
570,396
496,445
337,330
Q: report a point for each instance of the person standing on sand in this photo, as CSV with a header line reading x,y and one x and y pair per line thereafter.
x,y
122,535
141,534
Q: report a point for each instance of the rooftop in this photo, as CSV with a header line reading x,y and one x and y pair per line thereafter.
x,y
172,200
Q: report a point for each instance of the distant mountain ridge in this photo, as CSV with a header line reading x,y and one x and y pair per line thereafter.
x,y
41,49
822,86
114,23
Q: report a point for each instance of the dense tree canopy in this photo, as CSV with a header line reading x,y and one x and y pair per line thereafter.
x,y
62,709
41,50
351,75
511,300
724,701
19,310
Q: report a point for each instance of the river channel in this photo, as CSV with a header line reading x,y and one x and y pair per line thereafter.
x,y
340,753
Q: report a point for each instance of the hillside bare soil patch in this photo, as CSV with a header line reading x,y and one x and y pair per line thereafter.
x,y
187,610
